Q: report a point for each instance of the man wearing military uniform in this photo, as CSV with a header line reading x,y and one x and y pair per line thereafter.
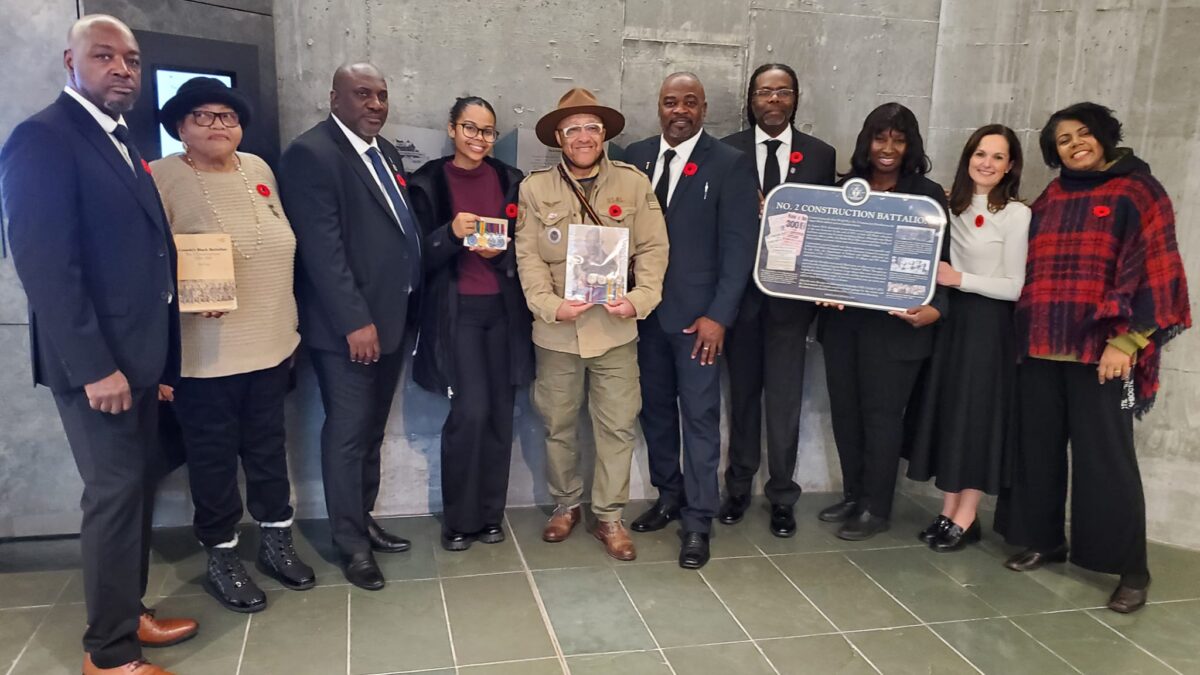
x,y
578,342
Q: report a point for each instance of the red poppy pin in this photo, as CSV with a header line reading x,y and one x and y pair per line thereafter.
x,y
979,221
263,190
796,157
146,167
511,210
615,210
690,169
1101,211
400,179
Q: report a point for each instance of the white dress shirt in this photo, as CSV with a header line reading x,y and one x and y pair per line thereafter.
x,y
783,155
683,152
991,256
361,147
107,123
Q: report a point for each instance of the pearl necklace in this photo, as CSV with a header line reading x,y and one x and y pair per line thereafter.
x,y
220,224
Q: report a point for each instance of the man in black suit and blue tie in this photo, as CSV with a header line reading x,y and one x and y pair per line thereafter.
x,y
92,247
343,187
708,192
765,349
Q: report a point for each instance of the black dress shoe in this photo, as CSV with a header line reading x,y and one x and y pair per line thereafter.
x,y
384,541
226,580
362,571
1029,559
783,520
938,526
656,518
839,512
456,541
694,553
277,558
733,509
954,538
862,527
491,534
1127,600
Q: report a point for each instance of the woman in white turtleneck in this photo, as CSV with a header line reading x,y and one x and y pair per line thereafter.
x,y
962,424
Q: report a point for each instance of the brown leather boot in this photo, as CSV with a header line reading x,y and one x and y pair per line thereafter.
x,y
139,667
154,632
616,540
561,522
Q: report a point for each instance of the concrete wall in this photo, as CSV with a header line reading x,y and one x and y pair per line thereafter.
x,y
957,63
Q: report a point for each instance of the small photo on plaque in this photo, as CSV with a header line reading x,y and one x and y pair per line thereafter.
x,y
597,263
490,233
206,278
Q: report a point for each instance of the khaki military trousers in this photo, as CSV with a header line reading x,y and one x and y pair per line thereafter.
x,y
614,399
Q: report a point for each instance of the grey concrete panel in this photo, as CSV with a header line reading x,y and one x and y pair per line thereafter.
x,y
646,63
722,23
12,295
905,10
35,41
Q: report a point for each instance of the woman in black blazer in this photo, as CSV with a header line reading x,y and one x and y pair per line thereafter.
x,y
475,345
873,358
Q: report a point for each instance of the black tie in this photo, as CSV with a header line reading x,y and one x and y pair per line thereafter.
x,y
408,226
770,176
664,181
122,134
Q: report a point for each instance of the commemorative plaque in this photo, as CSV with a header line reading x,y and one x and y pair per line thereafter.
x,y
850,246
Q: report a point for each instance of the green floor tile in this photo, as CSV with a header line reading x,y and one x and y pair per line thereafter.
x,y
843,592
1175,572
985,576
402,627
218,644
1088,645
495,618
538,667
763,599
56,646
28,589
921,587
16,627
829,654
590,612
1082,588
996,646
299,633
911,651
636,663
1169,631
742,659
418,562
678,606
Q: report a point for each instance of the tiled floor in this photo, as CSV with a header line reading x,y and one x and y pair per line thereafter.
x,y
810,604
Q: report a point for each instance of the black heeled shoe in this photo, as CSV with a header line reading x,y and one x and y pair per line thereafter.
x,y
938,526
954,538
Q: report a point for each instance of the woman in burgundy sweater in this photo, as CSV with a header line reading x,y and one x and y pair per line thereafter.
x,y
475,345
1104,291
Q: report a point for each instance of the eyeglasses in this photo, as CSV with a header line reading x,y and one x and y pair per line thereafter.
x,y
768,93
592,129
205,118
488,134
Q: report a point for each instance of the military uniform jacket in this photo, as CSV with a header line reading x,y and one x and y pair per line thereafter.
x,y
621,197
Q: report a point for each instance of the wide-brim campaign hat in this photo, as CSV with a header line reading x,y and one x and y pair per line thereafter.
x,y
575,102
198,91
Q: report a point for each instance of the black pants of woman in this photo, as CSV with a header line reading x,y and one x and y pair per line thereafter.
x,y
224,419
477,436
1063,402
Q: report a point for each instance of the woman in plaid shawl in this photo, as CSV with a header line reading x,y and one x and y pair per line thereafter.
x,y
1104,291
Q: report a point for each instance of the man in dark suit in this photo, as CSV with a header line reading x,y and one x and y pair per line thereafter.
x,y
343,187
708,192
92,248
765,348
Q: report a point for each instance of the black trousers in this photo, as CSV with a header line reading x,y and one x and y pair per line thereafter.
x,y
477,435
765,353
119,460
224,419
1063,403
357,399
868,393
676,387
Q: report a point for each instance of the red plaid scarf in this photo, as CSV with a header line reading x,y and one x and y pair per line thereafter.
x,y
1103,261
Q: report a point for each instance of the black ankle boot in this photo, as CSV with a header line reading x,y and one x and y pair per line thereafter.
x,y
227,581
277,558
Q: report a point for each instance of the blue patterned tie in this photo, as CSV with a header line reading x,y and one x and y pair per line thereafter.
x,y
407,224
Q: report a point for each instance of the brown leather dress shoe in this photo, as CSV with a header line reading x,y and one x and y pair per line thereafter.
x,y
615,538
1127,600
154,632
139,667
561,522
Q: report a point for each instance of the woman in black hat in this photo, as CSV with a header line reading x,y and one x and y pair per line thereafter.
x,y
235,365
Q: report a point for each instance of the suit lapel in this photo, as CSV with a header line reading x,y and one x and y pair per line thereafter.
x,y
684,187
359,168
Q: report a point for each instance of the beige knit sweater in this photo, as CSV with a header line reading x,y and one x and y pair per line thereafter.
x,y
262,331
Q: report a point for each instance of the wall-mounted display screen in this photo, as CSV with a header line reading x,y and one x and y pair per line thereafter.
x,y
166,82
